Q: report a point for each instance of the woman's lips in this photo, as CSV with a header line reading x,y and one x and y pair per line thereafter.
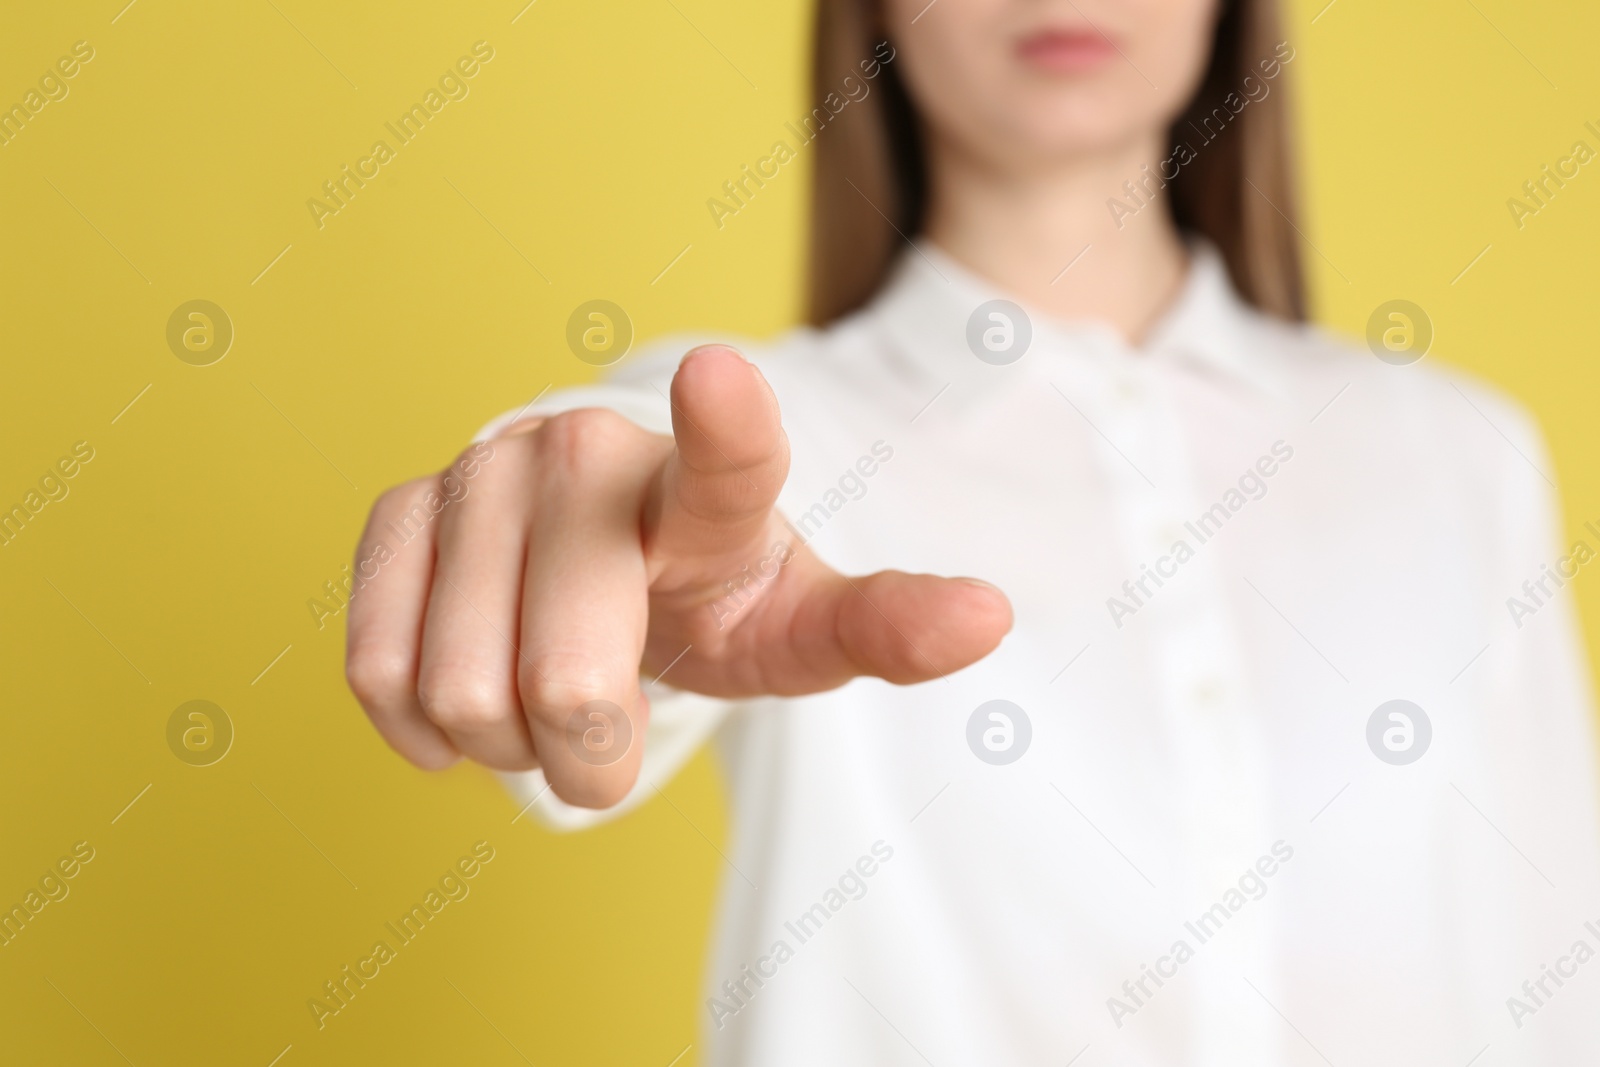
x,y
1065,50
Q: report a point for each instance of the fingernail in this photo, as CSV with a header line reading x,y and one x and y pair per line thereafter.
x,y
981,584
698,349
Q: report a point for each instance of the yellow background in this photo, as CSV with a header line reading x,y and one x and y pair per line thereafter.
x,y
181,562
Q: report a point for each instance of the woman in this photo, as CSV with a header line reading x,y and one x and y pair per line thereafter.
x,y
1228,752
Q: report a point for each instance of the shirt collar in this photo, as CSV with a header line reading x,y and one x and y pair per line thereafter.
x,y
930,296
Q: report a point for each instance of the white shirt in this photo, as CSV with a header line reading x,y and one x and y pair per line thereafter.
x,y
1198,795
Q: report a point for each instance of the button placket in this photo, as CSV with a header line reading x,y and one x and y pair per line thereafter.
x,y
1214,747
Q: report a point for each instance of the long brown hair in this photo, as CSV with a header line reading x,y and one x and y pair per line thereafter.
x,y
870,185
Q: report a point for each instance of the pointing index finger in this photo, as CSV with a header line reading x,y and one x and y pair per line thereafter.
x,y
719,486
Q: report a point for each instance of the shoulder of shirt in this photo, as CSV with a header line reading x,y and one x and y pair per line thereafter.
x,y
1313,358
1449,422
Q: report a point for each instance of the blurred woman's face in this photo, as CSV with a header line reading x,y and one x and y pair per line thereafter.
x,y
1025,83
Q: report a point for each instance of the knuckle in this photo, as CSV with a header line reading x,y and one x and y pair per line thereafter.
x,y
470,461
549,699
720,495
398,498
395,505
377,675
466,703
584,436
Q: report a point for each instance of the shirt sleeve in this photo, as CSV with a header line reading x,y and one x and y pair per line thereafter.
x,y
680,721
1543,692
1540,776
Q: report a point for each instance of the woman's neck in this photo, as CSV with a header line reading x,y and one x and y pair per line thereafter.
x,y
1050,237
